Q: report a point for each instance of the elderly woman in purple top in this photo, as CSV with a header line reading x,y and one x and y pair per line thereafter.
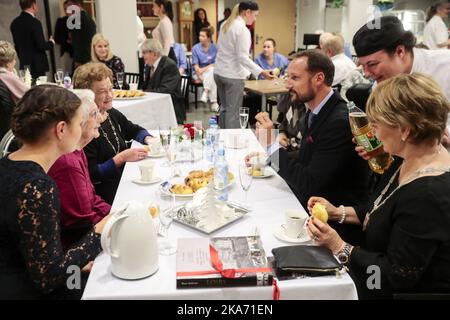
x,y
203,59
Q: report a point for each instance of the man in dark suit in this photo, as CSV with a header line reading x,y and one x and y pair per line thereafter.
x,y
162,76
29,40
327,165
82,36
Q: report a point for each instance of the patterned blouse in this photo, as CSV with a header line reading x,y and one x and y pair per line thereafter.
x,y
32,261
116,65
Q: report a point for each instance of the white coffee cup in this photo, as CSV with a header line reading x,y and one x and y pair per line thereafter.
x,y
147,168
258,161
133,86
295,221
155,147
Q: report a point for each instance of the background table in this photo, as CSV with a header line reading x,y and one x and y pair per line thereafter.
x,y
150,111
270,197
266,87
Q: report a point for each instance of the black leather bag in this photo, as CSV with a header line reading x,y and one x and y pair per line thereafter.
x,y
304,260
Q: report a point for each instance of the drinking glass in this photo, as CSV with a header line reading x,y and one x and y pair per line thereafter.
x,y
59,77
245,178
119,76
21,75
171,154
166,248
243,117
164,135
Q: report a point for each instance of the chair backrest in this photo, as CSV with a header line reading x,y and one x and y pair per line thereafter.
x,y
132,77
8,144
185,89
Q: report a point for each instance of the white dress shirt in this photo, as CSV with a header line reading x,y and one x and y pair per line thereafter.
x,y
434,63
343,65
435,33
233,59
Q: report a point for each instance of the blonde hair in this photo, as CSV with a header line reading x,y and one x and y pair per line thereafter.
x,y
233,15
88,73
333,43
410,100
95,39
7,53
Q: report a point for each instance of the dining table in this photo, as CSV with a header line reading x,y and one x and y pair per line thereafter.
x,y
149,111
268,198
266,88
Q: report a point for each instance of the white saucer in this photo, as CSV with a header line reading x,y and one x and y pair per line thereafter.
x,y
267,173
139,181
280,234
162,154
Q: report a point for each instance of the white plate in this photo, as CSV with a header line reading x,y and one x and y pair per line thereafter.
x,y
280,234
139,181
267,173
162,154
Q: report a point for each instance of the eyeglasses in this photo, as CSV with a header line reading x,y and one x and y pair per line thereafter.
x,y
104,91
94,114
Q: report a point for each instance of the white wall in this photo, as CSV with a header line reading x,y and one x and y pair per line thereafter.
x,y
310,17
116,19
355,14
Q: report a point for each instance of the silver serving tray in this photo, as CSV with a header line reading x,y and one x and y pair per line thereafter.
x,y
183,217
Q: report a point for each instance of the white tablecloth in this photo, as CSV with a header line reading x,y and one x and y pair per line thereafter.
x,y
150,111
269,197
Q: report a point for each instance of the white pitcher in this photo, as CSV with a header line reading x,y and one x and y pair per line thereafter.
x,y
129,237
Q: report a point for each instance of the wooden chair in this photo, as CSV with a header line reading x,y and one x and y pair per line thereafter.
x,y
132,78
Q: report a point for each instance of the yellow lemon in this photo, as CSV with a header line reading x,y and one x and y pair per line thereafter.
x,y
319,212
154,210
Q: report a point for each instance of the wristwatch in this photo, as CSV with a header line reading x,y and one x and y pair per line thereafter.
x,y
344,254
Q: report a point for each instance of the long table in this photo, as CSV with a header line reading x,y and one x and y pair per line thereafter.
x,y
149,111
270,198
265,88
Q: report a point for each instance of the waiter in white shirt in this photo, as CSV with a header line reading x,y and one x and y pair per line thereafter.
x,y
435,35
233,63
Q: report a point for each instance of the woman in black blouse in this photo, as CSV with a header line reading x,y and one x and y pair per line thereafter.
x,y
108,153
33,264
101,52
200,22
407,222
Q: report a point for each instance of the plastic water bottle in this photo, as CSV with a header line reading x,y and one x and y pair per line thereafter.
x,y
212,140
67,81
221,175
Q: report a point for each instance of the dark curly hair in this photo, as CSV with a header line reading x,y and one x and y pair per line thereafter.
x,y
41,107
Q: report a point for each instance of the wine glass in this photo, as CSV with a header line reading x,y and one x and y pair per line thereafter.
x,y
166,248
243,117
59,77
171,154
119,76
164,135
245,178
22,75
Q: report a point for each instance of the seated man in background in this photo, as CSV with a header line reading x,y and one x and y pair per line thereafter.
x,y
327,163
333,47
163,76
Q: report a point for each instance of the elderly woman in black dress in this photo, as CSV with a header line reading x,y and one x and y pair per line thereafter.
x,y
407,222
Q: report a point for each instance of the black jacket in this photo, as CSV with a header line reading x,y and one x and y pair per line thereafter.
x,y
30,43
7,106
62,36
81,39
167,79
327,165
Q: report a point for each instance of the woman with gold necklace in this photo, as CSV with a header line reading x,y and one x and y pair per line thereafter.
x,y
407,221
107,154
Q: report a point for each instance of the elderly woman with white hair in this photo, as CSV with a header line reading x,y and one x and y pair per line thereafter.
x,y
162,76
11,87
81,207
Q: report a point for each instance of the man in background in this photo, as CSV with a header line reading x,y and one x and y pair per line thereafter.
x,y
29,40
81,37
226,14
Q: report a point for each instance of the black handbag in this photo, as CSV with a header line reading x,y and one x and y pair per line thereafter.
x,y
292,261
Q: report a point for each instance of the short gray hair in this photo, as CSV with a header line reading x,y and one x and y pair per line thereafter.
x,y
87,98
152,45
7,53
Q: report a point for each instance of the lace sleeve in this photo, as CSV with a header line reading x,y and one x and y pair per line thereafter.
x,y
40,243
